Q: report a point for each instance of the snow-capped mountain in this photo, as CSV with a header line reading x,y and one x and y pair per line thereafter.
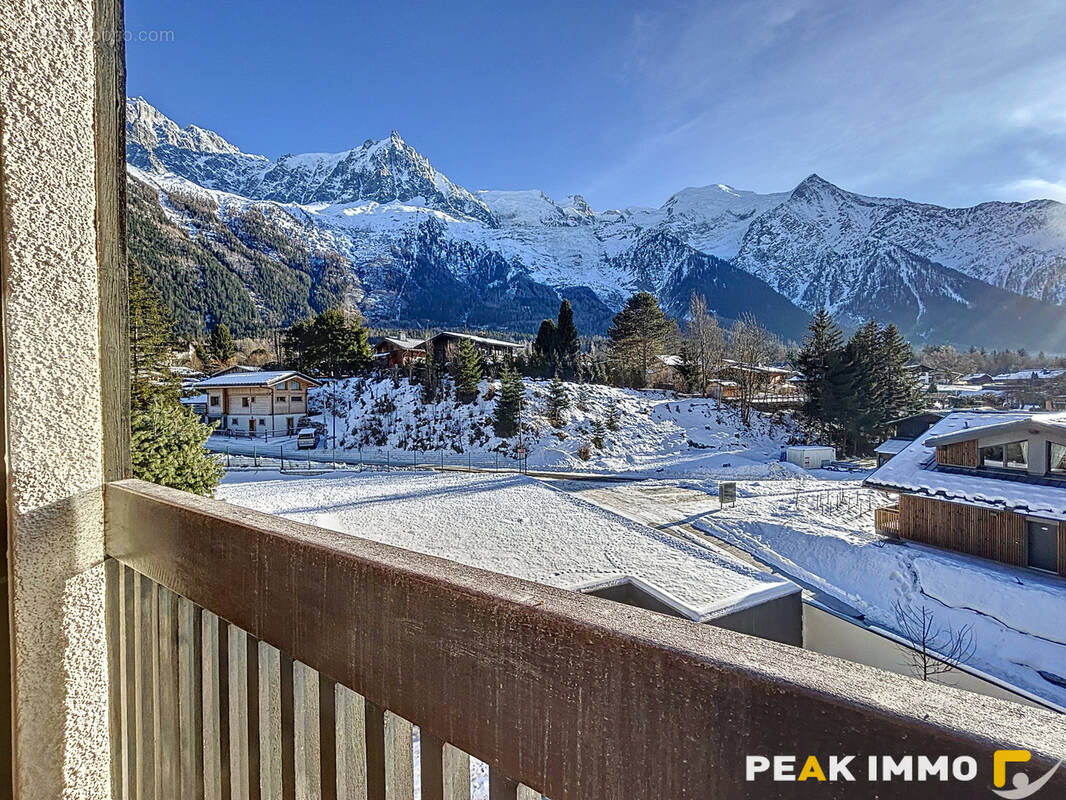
x,y
424,250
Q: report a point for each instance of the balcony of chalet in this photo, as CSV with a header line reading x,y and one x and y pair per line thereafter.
x,y
164,645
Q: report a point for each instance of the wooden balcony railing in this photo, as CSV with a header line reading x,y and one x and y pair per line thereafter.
x,y
254,657
886,520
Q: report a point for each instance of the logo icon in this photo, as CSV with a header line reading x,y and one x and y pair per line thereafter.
x,y
1023,787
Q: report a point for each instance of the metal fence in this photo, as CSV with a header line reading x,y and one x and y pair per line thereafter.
x,y
291,459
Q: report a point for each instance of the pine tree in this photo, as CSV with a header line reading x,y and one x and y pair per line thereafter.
x,y
689,370
335,342
614,415
545,353
599,432
567,346
167,447
166,443
868,396
467,371
506,420
222,347
151,341
558,402
903,395
639,333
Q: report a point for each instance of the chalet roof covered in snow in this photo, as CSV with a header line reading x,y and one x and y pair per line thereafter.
x,y
914,470
254,379
890,447
479,339
404,343
516,526
1047,423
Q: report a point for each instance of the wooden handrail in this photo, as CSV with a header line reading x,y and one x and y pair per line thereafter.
x,y
578,697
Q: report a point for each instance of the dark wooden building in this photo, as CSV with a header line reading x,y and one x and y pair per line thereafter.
x,y
988,484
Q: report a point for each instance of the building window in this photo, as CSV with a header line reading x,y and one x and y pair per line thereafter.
x,y
1012,455
214,399
281,398
1056,461
297,398
294,384
233,421
262,422
244,402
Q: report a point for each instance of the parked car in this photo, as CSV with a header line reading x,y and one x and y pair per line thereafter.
x,y
307,439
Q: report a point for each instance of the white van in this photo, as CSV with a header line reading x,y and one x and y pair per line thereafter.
x,y
306,439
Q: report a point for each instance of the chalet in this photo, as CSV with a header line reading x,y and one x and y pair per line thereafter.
x,y
664,373
990,484
722,389
397,351
976,379
445,344
258,403
914,425
889,448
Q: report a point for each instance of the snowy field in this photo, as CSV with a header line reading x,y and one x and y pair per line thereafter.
x,y
655,433
1018,616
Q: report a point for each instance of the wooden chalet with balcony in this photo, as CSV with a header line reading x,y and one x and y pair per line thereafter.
x,y
990,484
257,403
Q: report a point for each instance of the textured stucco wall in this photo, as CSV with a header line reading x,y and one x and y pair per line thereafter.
x,y
52,409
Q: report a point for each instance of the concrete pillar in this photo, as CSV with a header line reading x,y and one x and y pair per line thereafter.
x,y
52,398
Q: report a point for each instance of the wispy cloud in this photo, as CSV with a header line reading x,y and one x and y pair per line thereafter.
x,y
945,102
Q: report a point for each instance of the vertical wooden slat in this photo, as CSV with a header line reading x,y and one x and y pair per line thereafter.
x,y
129,682
236,646
225,769
327,737
525,793
306,731
167,731
351,745
254,728
288,731
445,770
113,622
270,722
145,638
374,717
214,754
399,758
190,701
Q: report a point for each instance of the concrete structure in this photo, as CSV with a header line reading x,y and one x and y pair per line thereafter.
x,y
65,381
810,456
258,403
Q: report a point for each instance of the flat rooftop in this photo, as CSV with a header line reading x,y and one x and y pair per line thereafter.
x,y
515,525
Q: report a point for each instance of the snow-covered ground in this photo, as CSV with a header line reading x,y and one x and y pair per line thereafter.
x,y
654,433
1018,616
514,525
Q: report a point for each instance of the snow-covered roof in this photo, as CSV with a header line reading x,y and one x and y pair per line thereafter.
x,y
1041,374
405,344
307,432
1048,423
254,378
670,361
914,470
890,447
481,339
517,526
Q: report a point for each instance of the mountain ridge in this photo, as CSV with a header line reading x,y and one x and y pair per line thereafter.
x,y
930,268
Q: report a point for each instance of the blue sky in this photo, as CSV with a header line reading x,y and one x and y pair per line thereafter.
x,y
947,102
